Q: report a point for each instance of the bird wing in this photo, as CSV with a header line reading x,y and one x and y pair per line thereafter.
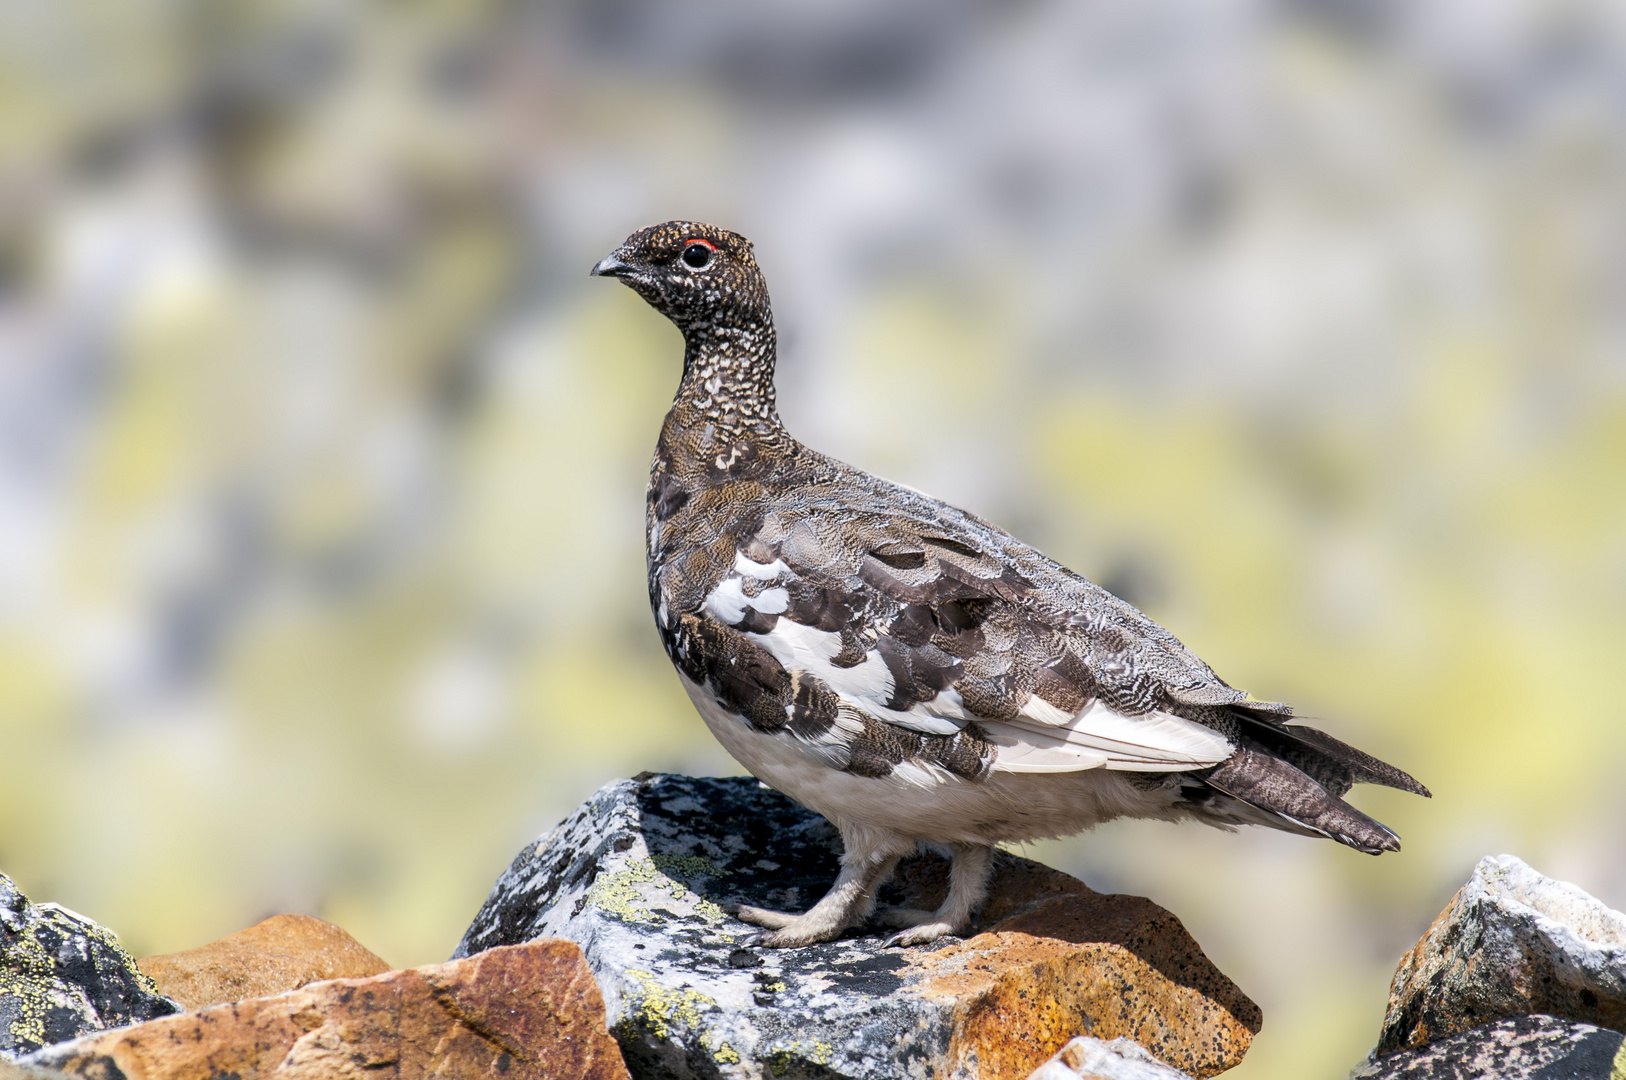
x,y
935,629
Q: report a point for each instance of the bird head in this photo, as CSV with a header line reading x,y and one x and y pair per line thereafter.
x,y
699,276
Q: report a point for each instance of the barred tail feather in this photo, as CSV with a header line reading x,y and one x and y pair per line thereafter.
x,y
1268,783
1332,762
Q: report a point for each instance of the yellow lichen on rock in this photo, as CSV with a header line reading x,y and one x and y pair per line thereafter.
x,y
661,1008
618,892
29,1001
62,975
720,1051
819,1053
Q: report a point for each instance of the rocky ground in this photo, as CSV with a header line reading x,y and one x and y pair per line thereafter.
x,y
606,951
643,874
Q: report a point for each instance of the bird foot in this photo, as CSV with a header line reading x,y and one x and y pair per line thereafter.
x,y
920,935
918,926
789,931
773,920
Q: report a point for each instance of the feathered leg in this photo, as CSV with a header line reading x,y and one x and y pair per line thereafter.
x,y
968,887
865,865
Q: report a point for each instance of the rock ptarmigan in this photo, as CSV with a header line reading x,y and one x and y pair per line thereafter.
x,y
908,670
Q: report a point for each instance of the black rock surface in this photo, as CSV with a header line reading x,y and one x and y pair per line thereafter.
x,y
62,975
1534,1047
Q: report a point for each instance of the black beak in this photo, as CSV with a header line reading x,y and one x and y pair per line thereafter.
x,y
609,266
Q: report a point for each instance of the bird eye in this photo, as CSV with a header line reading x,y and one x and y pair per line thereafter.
x,y
698,253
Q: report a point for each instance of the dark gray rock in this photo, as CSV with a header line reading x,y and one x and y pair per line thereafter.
x,y
1085,1058
642,876
1522,1048
1511,942
62,975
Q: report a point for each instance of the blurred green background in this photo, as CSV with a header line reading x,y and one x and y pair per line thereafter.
x,y
1302,326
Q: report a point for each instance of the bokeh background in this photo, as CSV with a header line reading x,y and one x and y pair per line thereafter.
x,y
1302,326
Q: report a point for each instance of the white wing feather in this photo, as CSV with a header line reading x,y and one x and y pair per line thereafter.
x,y
1099,737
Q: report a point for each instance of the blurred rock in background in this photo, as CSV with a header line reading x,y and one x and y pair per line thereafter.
x,y
1511,943
322,461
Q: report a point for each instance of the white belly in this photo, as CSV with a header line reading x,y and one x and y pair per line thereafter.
x,y
1005,807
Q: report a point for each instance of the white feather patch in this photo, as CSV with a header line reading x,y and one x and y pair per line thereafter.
x,y
760,571
727,601
1024,750
802,648
1100,737
1045,713
921,774
772,601
947,705
867,686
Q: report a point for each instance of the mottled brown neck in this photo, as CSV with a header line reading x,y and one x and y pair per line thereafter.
x,y
723,421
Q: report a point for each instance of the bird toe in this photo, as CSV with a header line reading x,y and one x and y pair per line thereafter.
x,y
801,931
773,920
787,931
790,938
919,935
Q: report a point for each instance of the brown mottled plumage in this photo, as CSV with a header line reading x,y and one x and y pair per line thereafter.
x,y
908,670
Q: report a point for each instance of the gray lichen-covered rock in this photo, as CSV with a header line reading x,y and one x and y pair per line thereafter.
x,y
62,975
1085,1058
1522,1048
1511,942
643,874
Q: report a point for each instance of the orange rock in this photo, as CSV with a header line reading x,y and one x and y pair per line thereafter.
x,y
1062,960
282,953
520,1012
10,1071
